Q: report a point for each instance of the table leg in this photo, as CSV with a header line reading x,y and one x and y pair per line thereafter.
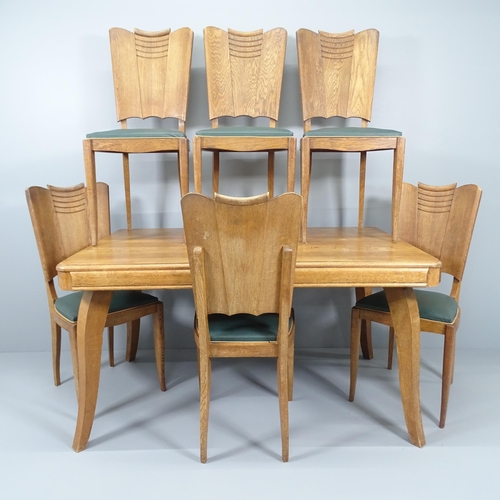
x,y
406,321
91,320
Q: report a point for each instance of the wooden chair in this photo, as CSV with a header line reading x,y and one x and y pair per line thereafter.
x,y
151,77
337,79
440,221
242,255
244,75
61,224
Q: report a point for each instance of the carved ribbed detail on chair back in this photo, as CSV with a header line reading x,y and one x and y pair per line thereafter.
x,y
245,44
337,73
151,72
152,44
440,221
71,217
244,72
435,199
70,200
337,45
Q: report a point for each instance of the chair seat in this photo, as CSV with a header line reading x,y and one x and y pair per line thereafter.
x,y
130,133
352,132
68,305
245,132
433,306
243,327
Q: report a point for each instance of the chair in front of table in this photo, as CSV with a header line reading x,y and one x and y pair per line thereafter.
x,y
439,220
337,79
244,79
242,254
151,73
61,225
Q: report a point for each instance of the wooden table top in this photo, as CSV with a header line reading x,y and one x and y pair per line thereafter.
x,y
333,257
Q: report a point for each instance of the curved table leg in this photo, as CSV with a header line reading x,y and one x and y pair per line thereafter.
x,y
405,318
91,320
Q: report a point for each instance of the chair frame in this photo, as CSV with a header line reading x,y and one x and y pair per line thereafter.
x,y
244,78
333,86
220,287
439,220
61,227
161,59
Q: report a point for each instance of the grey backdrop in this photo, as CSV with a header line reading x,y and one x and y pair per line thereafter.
x,y
437,81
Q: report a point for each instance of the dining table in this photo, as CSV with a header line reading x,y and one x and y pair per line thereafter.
x,y
154,259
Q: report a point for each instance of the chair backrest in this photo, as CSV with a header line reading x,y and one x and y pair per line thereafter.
x,y
241,243
440,220
337,74
61,222
244,72
151,73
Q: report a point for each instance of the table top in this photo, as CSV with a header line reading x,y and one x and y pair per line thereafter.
x,y
149,259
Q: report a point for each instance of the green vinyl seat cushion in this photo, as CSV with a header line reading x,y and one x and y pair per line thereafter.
x,y
68,305
352,132
141,133
433,306
245,132
244,327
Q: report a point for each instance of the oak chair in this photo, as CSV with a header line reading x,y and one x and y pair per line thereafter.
x,y
242,254
151,73
244,76
337,79
60,221
439,220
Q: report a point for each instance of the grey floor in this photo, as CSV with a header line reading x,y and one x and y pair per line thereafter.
x,y
144,443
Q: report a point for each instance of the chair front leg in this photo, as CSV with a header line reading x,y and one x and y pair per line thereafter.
x,y
354,350
205,382
133,328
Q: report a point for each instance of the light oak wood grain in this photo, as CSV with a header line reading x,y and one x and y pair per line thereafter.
x,y
151,73
337,79
61,225
244,78
439,220
242,254
334,257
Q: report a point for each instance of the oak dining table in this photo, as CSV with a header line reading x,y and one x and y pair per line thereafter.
x,y
153,259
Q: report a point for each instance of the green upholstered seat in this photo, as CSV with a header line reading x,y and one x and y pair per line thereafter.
x,y
433,306
245,132
243,327
68,305
352,132
129,133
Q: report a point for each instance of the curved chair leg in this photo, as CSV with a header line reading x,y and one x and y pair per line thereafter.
x,y
291,362
205,376
133,328
56,351
391,348
111,346
159,341
74,358
354,351
447,376
366,326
